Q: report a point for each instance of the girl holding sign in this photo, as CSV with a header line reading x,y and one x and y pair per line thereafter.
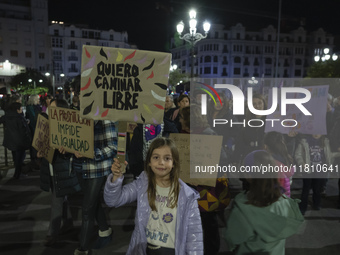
x,y
167,218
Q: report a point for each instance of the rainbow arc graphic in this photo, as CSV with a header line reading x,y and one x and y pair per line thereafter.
x,y
209,93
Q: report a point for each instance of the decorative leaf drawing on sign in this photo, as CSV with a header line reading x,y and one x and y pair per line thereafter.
x,y
147,109
87,85
158,97
102,52
87,53
97,112
88,109
130,56
88,94
105,113
159,106
149,66
119,57
151,76
90,64
162,86
143,59
86,72
141,116
165,60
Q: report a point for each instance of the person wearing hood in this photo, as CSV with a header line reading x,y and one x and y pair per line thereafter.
x,y
262,218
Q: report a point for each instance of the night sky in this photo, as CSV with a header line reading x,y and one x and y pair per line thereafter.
x,y
150,24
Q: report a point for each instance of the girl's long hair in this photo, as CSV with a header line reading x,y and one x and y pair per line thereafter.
x,y
263,191
174,174
277,145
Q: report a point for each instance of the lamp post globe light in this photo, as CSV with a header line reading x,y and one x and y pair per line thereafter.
x,y
192,37
324,55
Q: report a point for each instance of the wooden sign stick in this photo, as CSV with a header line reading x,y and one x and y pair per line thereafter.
x,y
121,144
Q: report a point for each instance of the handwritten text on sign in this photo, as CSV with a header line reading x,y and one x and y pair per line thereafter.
x,y
41,138
70,131
123,84
198,150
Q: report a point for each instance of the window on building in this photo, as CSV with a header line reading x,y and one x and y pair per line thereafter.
x,y
57,55
216,35
237,48
268,60
215,70
237,70
215,59
88,43
237,60
207,70
111,37
298,61
57,42
319,39
41,55
269,37
13,53
298,50
183,63
72,33
268,71
225,36
207,59
84,34
28,54
56,32
238,36
246,73
297,72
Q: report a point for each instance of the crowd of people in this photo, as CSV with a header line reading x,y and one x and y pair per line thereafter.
x,y
174,217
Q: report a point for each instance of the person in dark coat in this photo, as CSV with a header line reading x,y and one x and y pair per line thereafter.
x,y
17,135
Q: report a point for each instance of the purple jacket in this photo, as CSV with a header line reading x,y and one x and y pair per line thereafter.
x,y
189,237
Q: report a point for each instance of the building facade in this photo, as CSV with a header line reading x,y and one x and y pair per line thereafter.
x,y
237,53
67,42
29,41
24,40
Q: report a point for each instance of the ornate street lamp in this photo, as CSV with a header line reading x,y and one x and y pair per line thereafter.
x,y
192,37
324,55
